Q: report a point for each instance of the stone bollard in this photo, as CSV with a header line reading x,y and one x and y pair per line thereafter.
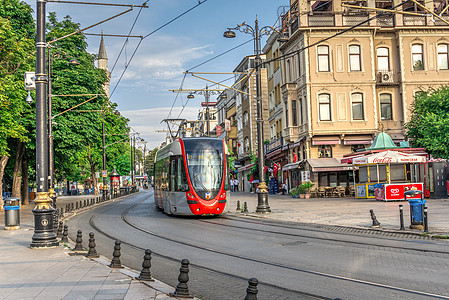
x,y
65,234
61,213
61,225
67,207
182,290
238,206
245,207
373,217
145,274
79,241
251,291
55,221
92,251
115,262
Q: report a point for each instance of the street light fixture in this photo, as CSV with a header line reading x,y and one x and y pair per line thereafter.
x,y
190,96
29,99
262,194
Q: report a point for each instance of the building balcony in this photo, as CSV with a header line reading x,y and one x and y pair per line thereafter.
x,y
354,18
321,19
410,20
274,145
386,77
291,133
439,22
385,20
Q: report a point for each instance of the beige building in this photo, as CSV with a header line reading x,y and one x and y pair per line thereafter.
x,y
339,91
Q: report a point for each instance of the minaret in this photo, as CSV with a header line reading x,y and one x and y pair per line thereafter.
x,y
103,64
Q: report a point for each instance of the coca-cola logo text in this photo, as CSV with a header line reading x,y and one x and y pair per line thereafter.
x,y
382,160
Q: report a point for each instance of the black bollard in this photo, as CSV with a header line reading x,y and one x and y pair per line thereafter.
x,y
72,207
61,213
401,217
65,234
85,203
79,241
115,262
76,206
426,226
245,207
182,290
55,221
238,206
92,251
59,234
67,207
145,274
251,291
373,217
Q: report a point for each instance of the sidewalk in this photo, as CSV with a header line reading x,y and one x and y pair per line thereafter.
x,y
55,274
349,212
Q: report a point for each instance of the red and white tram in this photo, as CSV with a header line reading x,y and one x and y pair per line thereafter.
x,y
191,177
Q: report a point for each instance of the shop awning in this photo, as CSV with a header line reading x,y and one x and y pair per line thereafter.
x,y
388,156
290,166
244,168
327,164
358,140
275,152
326,140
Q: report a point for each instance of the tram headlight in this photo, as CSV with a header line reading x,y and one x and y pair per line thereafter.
x,y
223,195
190,196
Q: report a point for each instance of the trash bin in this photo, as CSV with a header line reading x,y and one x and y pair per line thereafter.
x,y
12,213
416,209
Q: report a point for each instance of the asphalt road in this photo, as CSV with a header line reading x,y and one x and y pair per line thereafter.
x,y
290,261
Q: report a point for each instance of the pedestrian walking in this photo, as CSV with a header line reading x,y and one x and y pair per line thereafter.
x,y
236,185
231,182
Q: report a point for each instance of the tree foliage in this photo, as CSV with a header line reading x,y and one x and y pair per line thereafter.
x,y
429,122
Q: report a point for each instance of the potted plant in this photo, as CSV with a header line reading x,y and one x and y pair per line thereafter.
x,y
294,193
306,187
301,191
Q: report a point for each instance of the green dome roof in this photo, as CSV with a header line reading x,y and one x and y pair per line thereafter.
x,y
382,141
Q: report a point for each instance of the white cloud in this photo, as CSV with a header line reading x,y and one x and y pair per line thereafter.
x,y
147,121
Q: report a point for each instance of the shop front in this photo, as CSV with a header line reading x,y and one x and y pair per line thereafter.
x,y
387,174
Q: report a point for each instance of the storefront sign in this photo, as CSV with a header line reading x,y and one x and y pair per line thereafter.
x,y
305,176
396,191
227,124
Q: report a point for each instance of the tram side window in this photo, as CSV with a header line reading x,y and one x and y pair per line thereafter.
x,y
182,185
173,167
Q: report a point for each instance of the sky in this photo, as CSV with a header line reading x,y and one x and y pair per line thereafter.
x,y
160,61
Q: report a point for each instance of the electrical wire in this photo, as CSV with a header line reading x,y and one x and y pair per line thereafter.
x,y
330,37
127,38
154,31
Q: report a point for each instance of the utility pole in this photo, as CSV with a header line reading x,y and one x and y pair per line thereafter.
x,y
44,236
105,190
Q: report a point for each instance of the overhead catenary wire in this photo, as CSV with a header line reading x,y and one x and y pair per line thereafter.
x,y
127,38
154,31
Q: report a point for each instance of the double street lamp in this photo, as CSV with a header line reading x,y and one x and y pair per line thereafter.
x,y
257,33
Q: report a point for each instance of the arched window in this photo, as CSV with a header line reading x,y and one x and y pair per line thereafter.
x,y
386,112
323,59
443,58
355,62
245,118
417,57
325,107
383,59
246,144
294,113
357,106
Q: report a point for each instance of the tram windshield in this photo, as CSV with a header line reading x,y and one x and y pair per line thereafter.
x,y
205,163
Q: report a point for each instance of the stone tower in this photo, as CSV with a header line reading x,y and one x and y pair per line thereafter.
x,y
103,64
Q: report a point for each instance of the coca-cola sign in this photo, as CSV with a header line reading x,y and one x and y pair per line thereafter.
x,y
382,160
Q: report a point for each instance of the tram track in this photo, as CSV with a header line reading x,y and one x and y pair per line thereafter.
x,y
295,235
192,265
267,263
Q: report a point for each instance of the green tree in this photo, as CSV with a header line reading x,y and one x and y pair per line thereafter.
x,y
429,122
16,48
78,132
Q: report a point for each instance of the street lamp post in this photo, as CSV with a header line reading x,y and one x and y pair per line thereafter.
x,y
44,236
262,194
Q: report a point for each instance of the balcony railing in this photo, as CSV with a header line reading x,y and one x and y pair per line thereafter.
x,y
321,19
351,19
385,20
414,20
439,22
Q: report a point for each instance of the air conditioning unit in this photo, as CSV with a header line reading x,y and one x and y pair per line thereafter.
x,y
386,77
